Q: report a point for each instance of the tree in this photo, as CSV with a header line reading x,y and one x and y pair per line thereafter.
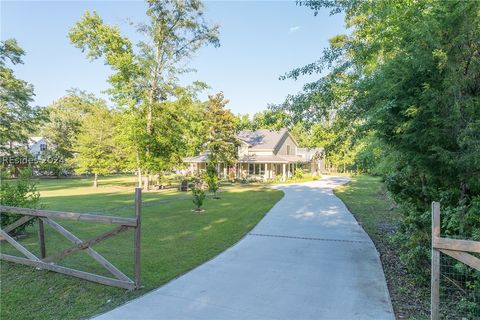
x,y
198,194
271,119
243,122
144,80
18,119
65,118
221,141
98,150
212,180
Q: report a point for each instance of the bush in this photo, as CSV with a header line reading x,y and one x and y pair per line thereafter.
x,y
21,192
198,195
299,173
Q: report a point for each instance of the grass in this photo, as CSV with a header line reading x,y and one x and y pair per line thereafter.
x,y
174,240
367,199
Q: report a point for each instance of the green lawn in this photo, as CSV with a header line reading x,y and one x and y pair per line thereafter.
x,y
174,240
367,199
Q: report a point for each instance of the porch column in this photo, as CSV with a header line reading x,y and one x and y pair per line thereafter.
x,y
284,177
224,171
266,171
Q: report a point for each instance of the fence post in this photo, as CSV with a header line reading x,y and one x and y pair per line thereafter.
x,y
137,236
41,238
435,277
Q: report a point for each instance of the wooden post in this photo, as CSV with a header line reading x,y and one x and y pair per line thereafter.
x,y
137,237
435,277
284,178
41,238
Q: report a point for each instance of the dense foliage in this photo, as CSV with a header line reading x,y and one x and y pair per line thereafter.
x,y
18,118
145,76
220,132
21,192
405,84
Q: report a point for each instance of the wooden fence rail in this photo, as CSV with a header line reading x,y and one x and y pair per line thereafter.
x,y
47,262
457,249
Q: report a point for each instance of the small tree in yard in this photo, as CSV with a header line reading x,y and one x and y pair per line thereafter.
x,y
198,195
212,180
21,192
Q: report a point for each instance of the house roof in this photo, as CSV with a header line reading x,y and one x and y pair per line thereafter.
x,y
262,139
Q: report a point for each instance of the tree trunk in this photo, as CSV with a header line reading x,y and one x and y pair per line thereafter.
x,y
95,180
147,182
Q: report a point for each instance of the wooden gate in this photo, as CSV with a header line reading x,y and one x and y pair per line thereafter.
x,y
457,249
47,262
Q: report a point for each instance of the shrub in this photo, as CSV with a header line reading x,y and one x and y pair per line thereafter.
x,y
21,192
299,173
198,195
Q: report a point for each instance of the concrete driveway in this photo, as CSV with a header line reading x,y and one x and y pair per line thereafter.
x,y
307,259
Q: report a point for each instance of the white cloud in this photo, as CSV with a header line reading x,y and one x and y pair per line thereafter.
x,y
293,29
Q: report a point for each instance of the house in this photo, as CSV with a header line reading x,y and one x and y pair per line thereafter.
x,y
265,154
37,146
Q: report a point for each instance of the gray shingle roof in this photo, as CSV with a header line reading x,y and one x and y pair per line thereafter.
x,y
262,139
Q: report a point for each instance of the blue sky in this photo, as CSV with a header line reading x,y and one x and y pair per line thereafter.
x,y
259,42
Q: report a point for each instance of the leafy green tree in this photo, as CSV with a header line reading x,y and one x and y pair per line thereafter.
x,y
18,119
243,122
143,81
65,118
98,149
221,141
271,119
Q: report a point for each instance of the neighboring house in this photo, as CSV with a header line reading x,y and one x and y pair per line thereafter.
x,y
37,145
265,154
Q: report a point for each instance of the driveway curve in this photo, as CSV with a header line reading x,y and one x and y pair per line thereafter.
x,y
307,259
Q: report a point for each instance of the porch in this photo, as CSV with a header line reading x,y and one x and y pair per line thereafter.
x,y
249,170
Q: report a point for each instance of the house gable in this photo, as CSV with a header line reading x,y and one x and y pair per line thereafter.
x,y
286,146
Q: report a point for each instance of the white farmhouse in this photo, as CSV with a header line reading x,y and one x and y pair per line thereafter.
x,y
265,154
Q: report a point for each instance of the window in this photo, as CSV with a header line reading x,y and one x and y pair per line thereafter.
x,y
288,149
43,147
